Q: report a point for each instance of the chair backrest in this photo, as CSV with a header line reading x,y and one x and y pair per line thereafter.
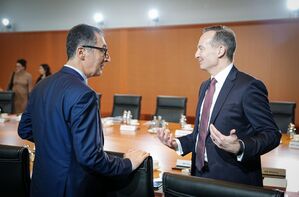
x,y
138,183
122,102
171,107
7,102
283,114
14,171
175,185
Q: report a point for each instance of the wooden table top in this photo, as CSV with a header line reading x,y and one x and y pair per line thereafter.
x,y
122,141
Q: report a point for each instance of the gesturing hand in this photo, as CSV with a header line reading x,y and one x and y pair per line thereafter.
x,y
228,143
166,137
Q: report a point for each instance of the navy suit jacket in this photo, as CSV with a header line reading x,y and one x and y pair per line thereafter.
x,y
62,118
243,105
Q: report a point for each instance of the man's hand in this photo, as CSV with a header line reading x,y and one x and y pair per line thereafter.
x,y
228,143
136,157
166,137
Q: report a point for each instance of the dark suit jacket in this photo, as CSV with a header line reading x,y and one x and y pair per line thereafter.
x,y
242,104
62,119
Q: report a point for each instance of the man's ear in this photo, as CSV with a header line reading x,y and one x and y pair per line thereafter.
x,y
221,51
80,53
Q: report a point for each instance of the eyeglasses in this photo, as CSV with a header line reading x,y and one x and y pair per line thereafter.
x,y
102,49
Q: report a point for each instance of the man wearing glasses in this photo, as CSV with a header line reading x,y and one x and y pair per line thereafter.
x,y
62,119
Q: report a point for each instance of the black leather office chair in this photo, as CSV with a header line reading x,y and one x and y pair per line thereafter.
x,y
171,107
122,102
7,102
175,185
138,183
283,114
14,171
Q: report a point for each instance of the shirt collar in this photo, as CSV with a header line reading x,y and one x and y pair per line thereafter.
x,y
221,76
78,71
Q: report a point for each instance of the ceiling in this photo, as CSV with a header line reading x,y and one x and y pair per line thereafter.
x,y
44,15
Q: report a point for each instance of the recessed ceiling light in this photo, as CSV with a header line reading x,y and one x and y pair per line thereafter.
x,y
98,18
153,14
293,5
5,22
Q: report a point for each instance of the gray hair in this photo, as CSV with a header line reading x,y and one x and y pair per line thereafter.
x,y
226,36
81,35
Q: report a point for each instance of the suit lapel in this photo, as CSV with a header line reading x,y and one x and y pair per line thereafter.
x,y
226,88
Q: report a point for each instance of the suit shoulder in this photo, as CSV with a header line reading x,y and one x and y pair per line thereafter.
x,y
251,82
65,85
246,77
71,82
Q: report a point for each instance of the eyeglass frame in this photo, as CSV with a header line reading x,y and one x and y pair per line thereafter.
x,y
102,49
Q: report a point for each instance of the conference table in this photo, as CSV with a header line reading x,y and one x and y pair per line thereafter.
x,y
118,140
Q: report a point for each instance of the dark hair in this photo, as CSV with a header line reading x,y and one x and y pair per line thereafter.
x,y
226,36
47,69
81,35
23,62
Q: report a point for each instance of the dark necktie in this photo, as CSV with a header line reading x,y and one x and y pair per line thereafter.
x,y
203,128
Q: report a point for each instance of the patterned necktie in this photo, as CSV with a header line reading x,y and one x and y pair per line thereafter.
x,y
203,127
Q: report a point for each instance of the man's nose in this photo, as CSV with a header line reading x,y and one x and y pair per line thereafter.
x,y
197,54
107,57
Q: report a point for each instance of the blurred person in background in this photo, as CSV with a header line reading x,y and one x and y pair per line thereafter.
x,y
21,84
45,71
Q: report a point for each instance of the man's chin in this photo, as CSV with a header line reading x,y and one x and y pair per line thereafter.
x,y
99,73
203,66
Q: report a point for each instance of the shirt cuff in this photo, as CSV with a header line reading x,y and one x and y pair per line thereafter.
x,y
179,149
241,152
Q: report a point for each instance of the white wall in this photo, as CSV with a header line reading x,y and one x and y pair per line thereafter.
x,y
41,15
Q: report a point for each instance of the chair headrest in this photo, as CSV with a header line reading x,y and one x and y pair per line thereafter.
x,y
6,96
181,185
170,101
283,107
12,152
127,99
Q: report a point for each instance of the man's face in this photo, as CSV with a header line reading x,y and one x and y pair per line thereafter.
x,y
206,53
95,59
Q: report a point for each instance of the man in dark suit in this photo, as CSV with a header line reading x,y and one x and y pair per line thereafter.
x,y
234,124
62,119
